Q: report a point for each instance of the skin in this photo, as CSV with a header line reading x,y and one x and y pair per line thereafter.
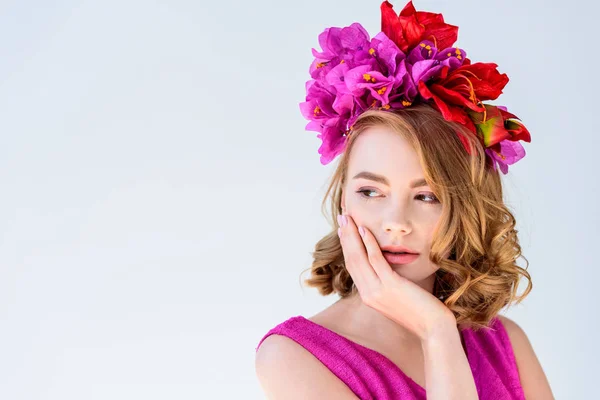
x,y
395,313
393,214
396,300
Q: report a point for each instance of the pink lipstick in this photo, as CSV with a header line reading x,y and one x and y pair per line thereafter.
x,y
399,254
395,258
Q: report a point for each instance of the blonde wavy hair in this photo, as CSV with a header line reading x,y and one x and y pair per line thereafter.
x,y
481,276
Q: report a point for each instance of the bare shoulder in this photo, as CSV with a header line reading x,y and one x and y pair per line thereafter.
x,y
286,370
533,380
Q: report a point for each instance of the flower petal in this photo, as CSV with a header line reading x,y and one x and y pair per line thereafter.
x,y
333,144
454,97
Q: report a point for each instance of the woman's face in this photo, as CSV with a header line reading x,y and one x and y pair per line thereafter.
x,y
385,191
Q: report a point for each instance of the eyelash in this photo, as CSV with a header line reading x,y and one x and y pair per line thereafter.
x,y
367,198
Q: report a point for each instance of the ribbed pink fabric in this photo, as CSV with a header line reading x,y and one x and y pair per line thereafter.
x,y
371,375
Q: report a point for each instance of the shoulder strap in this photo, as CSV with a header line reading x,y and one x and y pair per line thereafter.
x,y
493,362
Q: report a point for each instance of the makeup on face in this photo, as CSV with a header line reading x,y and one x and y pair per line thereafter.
x,y
396,258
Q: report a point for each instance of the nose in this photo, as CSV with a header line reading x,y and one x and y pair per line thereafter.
x,y
398,222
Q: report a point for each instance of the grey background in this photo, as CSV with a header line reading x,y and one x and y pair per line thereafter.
x,y
160,196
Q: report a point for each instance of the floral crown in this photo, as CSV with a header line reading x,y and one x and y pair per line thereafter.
x,y
410,61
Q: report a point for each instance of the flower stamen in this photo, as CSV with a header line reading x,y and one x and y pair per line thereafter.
x,y
368,77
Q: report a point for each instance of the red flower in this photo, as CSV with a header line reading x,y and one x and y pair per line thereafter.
x,y
464,88
411,27
515,128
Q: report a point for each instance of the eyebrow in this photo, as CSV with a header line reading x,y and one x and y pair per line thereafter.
x,y
382,179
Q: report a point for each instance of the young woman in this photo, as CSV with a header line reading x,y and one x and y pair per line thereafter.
x,y
423,251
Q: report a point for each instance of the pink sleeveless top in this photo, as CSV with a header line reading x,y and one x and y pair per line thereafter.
x,y
371,375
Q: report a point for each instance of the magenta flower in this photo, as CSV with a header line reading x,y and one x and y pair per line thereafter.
x,y
328,113
319,102
363,78
400,66
339,44
387,54
427,62
453,57
406,90
505,153
332,145
324,107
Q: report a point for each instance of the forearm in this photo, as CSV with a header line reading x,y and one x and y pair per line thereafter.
x,y
447,371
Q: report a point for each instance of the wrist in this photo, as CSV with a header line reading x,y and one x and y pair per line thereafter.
x,y
443,327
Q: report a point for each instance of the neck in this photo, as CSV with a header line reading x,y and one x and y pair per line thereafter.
x,y
366,321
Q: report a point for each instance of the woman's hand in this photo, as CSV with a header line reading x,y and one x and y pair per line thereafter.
x,y
381,288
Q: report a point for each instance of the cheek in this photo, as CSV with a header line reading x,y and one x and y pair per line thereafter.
x,y
428,219
360,209
362,218
427,226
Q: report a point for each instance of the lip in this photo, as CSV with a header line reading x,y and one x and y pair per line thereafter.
x,y
398,249
399,258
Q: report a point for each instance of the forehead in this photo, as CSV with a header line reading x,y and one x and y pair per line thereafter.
x,y
385,152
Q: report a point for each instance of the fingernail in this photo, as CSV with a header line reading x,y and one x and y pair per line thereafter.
x,y
339,218
361,230
339,232
344,220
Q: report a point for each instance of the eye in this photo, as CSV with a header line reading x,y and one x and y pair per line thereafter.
x,y
428,195
428,198
365,196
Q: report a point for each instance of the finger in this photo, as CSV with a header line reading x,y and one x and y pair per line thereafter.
x,y
380,265
355,256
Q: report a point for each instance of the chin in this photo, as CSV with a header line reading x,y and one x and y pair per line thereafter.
x,y
413,271
406,272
